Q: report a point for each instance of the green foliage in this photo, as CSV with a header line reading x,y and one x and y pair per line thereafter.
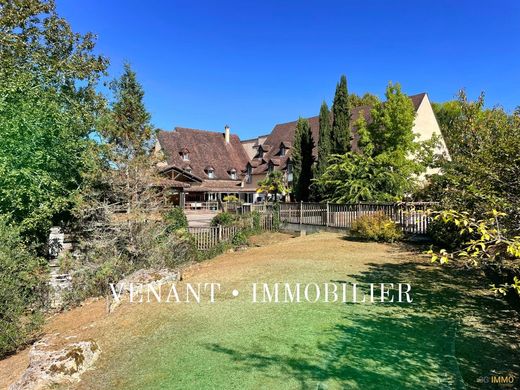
x,y
446,234
341,118
489,245
48,106
255,215
302,160
231,198
239,239
376,227
389,161
273,184
366,100
484,169
224,219
447,114
176,219
118,252
23,289
365,141
392,123
353,177
324,140
127,126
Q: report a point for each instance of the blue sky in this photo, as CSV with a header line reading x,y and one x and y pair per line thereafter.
x,y
252,64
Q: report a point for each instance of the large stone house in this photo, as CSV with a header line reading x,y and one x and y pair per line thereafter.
x,y
210,165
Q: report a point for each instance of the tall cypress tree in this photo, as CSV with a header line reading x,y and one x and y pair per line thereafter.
x,y
302,160
341,118
324,141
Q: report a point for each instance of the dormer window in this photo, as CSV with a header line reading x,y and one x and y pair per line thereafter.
x,y
188,169
210,172
185,154
270,167
284,147
260,153
233,174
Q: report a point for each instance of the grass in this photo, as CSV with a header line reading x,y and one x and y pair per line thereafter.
x,y
452,334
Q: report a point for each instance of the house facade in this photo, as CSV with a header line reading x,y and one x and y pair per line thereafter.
x,y
212,165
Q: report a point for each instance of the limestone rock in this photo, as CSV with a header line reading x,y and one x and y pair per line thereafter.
x,y
51,364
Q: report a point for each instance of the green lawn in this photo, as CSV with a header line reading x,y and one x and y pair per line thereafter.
x,y
452,334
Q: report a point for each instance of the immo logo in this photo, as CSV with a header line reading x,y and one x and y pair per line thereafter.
x,y
262,293
503,380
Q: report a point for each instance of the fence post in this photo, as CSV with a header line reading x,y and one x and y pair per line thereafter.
x,y
327,215
301,212
219,233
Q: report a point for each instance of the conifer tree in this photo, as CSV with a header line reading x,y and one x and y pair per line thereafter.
x,y
129,127
324,140
341,118
302,160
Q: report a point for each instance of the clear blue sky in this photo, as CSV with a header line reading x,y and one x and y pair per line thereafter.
x,y
253,64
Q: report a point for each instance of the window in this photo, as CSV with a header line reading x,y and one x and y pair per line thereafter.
x,y
270,167
283,150
289,172
233,174
260,153
211,173
188,169
249,173
185,155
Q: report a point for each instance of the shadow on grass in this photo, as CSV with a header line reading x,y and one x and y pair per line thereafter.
x,y
449,337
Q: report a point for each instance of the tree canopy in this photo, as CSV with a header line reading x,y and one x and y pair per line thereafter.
x,y
49,106
341,118
302,160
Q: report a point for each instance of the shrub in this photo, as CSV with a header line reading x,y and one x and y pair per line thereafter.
x,y
231,198
255,215
224,219
446,234
239,239
23,290
175,219
376,227
117,252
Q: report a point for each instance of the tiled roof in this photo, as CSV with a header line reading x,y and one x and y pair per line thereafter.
x,y
206,149
284,133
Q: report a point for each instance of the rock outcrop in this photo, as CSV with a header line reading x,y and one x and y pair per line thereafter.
x,y
52,364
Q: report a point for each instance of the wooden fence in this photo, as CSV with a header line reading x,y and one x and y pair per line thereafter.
x,y
208,237
411,217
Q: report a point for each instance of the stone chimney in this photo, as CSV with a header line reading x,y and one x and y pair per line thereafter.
x,y
226,134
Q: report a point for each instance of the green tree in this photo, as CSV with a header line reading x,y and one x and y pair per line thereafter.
x,y
365,142
49,106
302,160
446,114
484,169
324,140
128,127
389,161
22,289
354,177
366,100
392,123
341,118
273,184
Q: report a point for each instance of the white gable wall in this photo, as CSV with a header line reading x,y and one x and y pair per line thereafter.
x,y
425,126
